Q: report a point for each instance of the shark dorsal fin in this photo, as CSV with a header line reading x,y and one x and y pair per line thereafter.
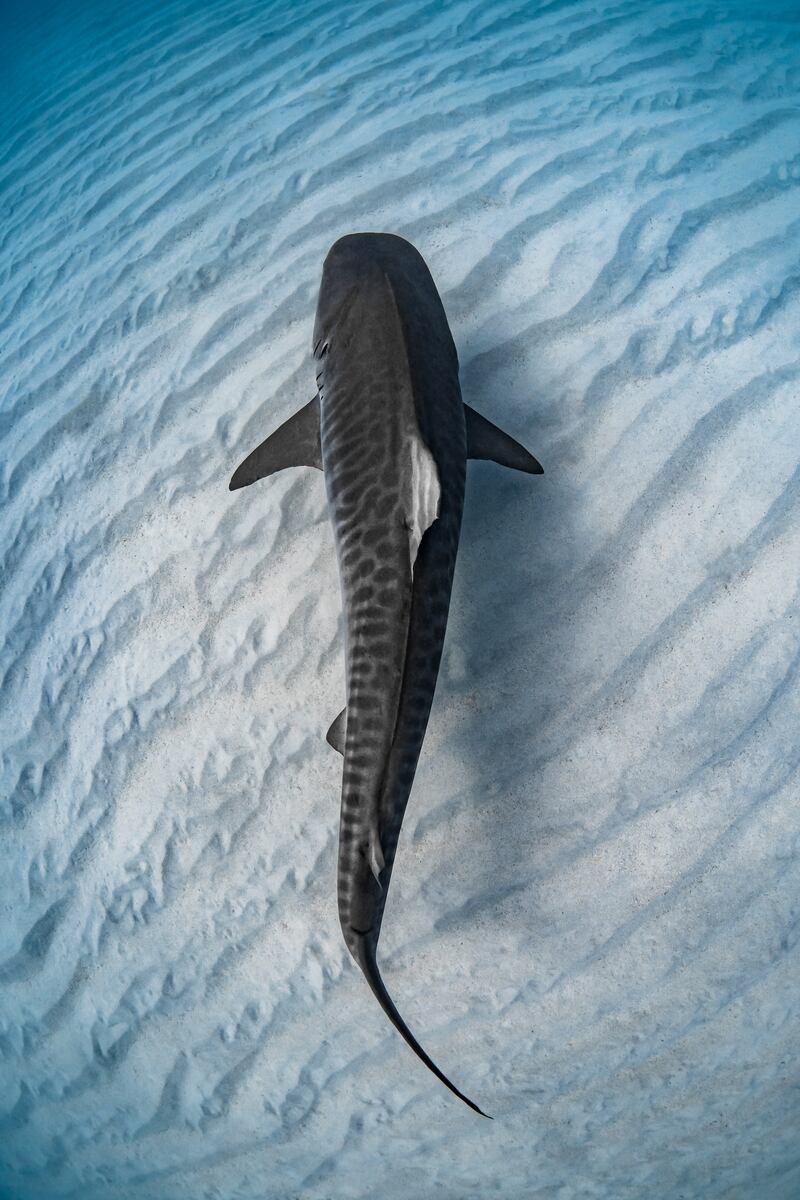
x,y
376,858
425,496
485,440
294,444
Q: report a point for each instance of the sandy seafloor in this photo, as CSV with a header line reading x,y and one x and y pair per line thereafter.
x,y
594,918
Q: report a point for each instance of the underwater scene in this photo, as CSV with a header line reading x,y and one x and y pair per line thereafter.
x,y
593,927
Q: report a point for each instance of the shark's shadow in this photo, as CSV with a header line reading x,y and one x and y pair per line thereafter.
x,y
511,629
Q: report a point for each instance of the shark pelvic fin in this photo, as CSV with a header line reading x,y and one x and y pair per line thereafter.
x,y
485,440
335,735
294,444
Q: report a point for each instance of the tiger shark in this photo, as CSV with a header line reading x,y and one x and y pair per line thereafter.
x,y
392,435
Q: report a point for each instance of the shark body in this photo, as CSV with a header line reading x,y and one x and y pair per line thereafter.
x,y
390,431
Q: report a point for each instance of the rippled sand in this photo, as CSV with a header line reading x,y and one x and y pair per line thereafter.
x,y
594,917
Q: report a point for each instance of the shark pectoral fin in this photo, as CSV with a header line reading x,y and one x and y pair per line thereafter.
x,y
294,444
376,859
335,735
485,440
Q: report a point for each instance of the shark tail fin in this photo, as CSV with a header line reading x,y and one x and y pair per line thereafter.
x,y
295,443
364,954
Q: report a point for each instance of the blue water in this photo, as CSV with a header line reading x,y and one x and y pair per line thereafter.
x,y
594,916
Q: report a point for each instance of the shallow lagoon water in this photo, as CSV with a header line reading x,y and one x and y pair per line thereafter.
x,y
593,922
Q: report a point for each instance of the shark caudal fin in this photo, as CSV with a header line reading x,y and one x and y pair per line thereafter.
x,y
294,444
365,957
485,440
